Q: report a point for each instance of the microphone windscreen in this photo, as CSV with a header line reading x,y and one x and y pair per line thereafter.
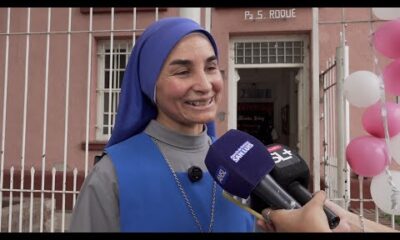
x,y
289,166
238,162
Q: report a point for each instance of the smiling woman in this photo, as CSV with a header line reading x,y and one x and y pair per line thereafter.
x,y
189,86
164,126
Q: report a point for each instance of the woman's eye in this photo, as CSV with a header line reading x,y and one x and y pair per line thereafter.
x,y
212,67
182,73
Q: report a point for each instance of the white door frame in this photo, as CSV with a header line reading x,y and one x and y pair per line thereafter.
x,y
303,86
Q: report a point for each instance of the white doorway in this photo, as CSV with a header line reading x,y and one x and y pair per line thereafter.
x,y
275,93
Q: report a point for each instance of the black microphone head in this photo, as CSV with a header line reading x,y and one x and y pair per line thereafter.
x,y
292,173
238,162
289,166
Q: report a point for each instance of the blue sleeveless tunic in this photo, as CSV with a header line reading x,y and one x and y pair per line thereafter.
x,y
150,200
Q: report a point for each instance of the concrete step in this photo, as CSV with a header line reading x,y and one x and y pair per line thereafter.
x,y
26,216
383,218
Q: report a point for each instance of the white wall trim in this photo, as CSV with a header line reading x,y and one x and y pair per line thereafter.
x,y
315,101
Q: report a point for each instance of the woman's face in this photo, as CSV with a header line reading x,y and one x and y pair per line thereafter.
x,y
189,86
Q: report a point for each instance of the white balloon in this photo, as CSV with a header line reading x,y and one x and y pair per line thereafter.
x,y
361,88
386,13
394,145
381,192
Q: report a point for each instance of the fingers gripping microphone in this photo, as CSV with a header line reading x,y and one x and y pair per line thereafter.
x,y
292,173
240,164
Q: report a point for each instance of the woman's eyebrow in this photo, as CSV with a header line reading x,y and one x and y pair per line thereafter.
x,y
180,62
212,58
185,62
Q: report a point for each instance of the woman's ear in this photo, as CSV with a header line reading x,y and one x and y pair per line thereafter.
x,y
155,94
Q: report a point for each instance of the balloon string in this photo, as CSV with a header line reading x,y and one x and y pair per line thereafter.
x,y
395,191
395,196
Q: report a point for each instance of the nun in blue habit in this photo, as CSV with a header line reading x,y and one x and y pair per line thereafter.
x,y
163,130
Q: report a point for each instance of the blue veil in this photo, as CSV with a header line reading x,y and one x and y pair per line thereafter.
x,y
136,106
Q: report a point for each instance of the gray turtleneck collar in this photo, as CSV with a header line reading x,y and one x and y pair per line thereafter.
x,y
176,139
183,151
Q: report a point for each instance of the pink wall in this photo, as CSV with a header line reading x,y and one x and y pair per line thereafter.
x,y
226,23
360,23
57,82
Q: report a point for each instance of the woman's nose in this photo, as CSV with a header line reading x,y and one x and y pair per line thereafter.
x,y
202,82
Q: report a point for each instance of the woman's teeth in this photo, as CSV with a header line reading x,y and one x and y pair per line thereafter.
x,y
200,103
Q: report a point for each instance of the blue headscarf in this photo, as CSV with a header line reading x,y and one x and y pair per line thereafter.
x,y
137,101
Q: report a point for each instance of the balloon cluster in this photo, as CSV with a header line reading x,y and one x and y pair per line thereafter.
x,y
369,155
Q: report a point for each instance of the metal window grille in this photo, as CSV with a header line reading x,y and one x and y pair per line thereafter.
x,y
268,52
111,68
328,79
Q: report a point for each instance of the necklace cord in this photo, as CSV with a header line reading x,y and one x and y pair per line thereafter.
x,y
186,198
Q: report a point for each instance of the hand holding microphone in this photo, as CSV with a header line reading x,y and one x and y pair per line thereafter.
x,y
292,173
243,166
240,164
309,218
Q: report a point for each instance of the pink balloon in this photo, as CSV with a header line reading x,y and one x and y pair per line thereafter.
x,y
387,38
391,77
373,123
367,155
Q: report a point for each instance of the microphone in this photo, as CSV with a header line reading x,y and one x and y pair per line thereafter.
x,y
240,164
292,173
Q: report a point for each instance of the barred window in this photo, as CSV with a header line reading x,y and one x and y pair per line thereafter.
x,y
268,52
111,68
